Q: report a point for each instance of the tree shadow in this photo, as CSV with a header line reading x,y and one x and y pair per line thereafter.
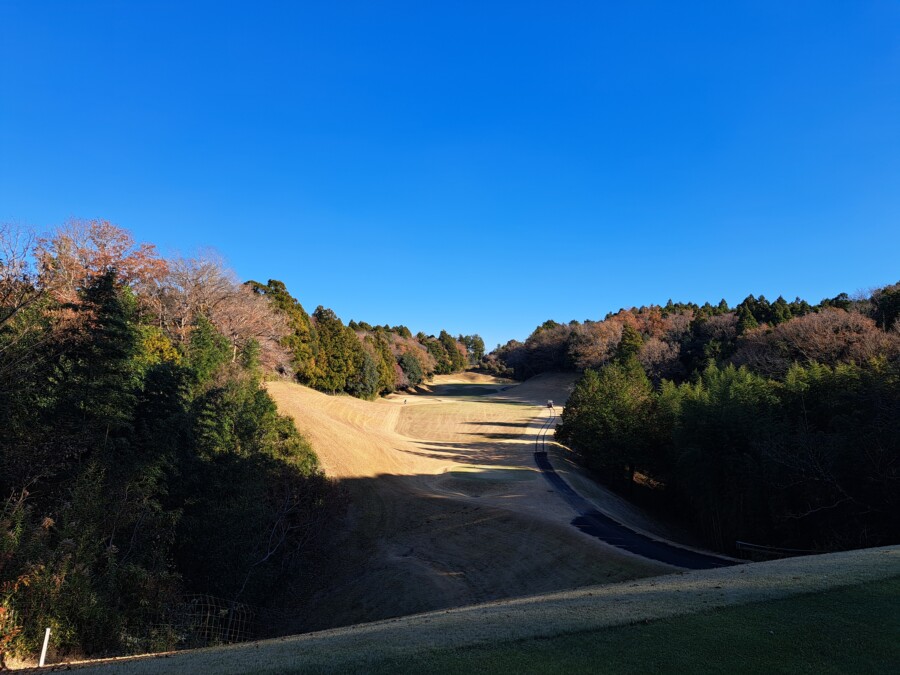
x,y
523,423
478,453
407,546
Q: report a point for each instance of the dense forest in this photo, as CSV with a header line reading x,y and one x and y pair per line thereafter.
x,y
141,459
776,423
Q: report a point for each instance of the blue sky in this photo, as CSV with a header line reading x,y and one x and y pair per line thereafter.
x,y
479,167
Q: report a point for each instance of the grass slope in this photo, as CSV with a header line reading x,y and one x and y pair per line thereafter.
x,y
855,629
496,632
447,507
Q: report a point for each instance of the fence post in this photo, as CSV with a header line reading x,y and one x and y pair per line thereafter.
x,y
44,650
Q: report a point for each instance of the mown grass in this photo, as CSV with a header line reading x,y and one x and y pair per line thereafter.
x,y
849,630
463,390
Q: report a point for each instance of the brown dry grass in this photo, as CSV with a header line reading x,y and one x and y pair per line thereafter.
x,y
447,507
469,377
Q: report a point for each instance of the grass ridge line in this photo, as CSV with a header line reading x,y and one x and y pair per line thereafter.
x,y
548,615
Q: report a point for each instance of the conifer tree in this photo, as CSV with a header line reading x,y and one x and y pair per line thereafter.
x,y
780,311
338,348
102,380
412,368
630,345
207,350
746,320
457,362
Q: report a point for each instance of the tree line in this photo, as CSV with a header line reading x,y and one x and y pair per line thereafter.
x,y
358,358
771,422
140,457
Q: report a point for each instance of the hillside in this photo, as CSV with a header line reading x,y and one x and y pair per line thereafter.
x,y
165,465
546,616
447,505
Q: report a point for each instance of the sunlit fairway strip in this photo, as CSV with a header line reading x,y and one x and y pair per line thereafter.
x,y
498,473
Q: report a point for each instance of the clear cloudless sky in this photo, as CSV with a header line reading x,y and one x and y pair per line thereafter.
x,y
474,166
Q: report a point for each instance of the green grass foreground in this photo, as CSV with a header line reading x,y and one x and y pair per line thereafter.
x,y
849,630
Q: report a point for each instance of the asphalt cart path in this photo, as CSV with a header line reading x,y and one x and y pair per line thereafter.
x,y
597,524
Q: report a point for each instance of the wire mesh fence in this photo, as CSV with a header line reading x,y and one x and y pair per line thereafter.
x,y
204,620
759,552
207,621
190,622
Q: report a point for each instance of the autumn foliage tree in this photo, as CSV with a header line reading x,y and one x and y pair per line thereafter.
x,y
82,250
773,422
141,457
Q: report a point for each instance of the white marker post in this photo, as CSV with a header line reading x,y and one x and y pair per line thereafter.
x,y
44,650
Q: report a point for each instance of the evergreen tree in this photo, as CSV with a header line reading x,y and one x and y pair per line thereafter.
x,y
412,368
365,379
608,420
457,362
780,311
763,310
799,307
386,362
101,381
887,307
746,320
630,344
840,301
474,346
208,350
442,359
338,352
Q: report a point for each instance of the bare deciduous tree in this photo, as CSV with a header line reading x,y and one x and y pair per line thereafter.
x,y
242,316
659,358
594,343
679,325
192,286
205,285
19,286
831,336
719,327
